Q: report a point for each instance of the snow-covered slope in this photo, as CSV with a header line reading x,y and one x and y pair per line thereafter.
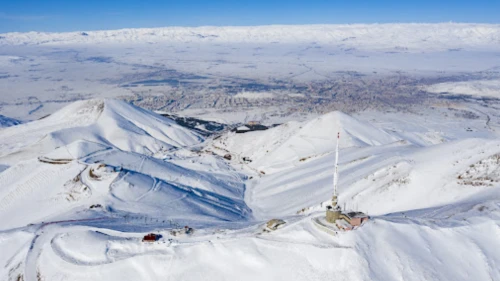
x,y
485,88
108,153
286,145
383,179
80,188
373,36
110,122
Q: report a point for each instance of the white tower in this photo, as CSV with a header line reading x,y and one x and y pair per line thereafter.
x,y
333,212
336,174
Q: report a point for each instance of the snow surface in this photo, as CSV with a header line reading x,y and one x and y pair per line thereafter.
x,y
364,36
110,123
485,88
80,188
254,95
279,147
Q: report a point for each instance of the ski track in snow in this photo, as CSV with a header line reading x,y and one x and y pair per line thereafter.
x,y
27,186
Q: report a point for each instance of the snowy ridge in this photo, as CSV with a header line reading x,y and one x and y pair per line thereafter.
x,y
36,133
110,154
111,123
292,142
364,36
82,187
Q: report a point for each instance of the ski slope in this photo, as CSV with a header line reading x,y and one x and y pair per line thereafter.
x,y
108,151
81,187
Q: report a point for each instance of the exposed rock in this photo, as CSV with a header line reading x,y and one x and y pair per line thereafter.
x,y
275,224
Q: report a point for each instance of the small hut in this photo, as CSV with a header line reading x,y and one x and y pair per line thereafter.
x,y
151,237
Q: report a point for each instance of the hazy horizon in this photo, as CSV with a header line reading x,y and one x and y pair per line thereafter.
x,y
264,25
61,16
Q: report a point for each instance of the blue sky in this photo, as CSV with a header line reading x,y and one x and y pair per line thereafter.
x,y
74,15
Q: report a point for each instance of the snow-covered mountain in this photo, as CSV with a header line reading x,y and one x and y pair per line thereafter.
x,y
372,36
112,123
96,151
282,146
81,187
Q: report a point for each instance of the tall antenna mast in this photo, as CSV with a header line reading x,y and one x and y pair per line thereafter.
x,y
336,175
334,211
